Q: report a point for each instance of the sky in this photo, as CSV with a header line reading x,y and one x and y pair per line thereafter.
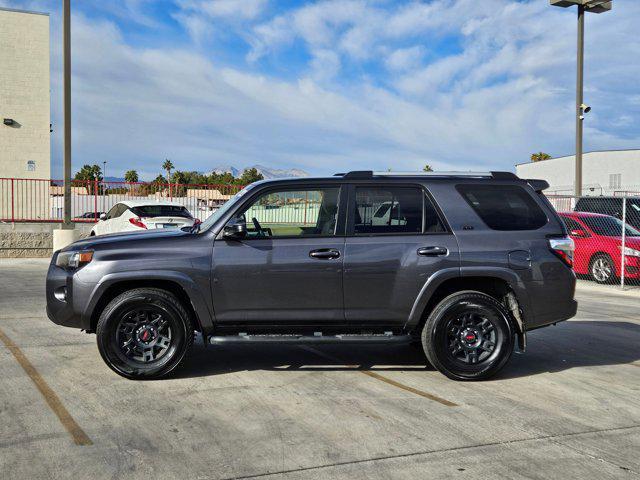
x,y
335,85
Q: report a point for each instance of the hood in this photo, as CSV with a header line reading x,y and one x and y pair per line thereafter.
x,y
130,238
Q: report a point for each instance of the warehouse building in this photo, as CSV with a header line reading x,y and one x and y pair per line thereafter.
x,y
611,172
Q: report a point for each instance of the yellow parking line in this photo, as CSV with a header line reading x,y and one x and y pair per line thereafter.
x,y
387,380
54,402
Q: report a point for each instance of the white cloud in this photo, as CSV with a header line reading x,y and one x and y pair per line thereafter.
x,y
503,90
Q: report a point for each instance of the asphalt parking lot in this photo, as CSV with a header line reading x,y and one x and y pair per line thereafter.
x,y
568,408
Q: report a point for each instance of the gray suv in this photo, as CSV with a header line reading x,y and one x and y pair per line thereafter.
x,y
460,264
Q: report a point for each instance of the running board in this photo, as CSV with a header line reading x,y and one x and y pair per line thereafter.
x,y
387,337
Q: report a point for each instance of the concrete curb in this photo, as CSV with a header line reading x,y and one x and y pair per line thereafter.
x,y
585,286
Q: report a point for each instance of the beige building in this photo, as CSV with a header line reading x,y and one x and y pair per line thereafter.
x,y
24,95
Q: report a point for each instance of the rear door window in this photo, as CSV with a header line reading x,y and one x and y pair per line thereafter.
x,y
394,210
504,207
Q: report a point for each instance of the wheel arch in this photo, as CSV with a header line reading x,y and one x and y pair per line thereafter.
x,y
504,286
109,288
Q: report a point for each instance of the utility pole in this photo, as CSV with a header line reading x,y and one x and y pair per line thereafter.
x,y
66,39
593,6
579,103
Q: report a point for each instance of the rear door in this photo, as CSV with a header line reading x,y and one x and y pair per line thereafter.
x,y
396,240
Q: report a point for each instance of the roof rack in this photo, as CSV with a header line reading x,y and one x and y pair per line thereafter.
x,y
364,174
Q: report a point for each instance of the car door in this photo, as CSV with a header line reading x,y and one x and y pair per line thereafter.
x,y
288,267
386,265
583,242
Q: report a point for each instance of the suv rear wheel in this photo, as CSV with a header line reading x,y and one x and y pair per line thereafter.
x,y
144,333
468,336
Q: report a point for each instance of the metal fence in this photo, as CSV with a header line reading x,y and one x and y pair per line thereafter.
x,y
42,200
606,232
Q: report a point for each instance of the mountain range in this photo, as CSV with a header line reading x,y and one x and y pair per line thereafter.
x,y
266,172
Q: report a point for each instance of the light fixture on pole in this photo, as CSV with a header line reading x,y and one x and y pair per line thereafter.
x,y
593,6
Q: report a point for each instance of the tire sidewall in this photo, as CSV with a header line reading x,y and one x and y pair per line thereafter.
x,y
108,325
434,336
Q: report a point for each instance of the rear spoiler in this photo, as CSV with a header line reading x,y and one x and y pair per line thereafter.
x,y
538,185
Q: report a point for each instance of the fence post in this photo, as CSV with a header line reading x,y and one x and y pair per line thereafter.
x,y
95,200
12,203
624,240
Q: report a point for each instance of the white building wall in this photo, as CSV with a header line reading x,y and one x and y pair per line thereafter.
x,y
603,173
24,94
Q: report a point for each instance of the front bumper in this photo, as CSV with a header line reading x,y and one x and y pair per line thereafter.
x,y
67,297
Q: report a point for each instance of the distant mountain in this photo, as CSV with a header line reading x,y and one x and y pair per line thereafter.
x,y
267,173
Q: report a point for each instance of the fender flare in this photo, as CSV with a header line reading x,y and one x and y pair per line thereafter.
x,y
436,280
200,306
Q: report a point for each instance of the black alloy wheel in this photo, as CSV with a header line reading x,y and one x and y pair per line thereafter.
x,y
468,336
144,333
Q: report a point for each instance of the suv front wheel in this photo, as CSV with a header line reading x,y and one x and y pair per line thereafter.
x,y
468,336
144,333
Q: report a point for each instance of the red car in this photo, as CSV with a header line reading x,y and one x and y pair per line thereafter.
x,y
598,241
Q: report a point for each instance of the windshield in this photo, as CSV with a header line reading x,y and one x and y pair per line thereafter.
x,y
206,225
609,226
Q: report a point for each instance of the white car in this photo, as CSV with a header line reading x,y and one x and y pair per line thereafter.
x,y
128,216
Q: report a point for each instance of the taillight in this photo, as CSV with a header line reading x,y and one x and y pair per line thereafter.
x,y
137,222
563,248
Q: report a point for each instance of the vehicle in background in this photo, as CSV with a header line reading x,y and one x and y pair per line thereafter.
x,y
598,241
90,215
612,206
128,216
461,264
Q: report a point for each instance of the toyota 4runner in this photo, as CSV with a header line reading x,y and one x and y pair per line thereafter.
x,y
461,264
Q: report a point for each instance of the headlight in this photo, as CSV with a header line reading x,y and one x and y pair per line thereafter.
x,y
631,252
74,259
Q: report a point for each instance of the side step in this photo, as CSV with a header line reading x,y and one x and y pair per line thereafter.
x,y
316,338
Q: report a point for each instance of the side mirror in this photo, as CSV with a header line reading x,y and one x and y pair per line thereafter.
x,y
578,233
103,216
235,229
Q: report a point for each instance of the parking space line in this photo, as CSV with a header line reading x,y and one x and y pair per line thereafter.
x,y
77,434
384,379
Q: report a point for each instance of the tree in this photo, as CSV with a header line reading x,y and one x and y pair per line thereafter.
x,y
131,176
427,168
536,157
89,175
168,166
250,175
89,172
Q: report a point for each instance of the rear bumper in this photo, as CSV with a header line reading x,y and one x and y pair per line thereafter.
x,y
568,311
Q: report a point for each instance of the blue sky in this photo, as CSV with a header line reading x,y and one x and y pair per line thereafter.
x,y
332,85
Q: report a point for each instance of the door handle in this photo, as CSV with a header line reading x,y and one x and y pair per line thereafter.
x,y
432,251
324,254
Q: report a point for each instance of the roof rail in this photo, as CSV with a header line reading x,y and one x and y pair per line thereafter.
x,y
364,174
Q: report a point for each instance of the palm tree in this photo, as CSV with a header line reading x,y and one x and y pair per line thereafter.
x,y
168,166
131,176
427,168
537,157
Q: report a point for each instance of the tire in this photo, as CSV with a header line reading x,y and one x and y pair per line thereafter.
x,y
144,333
602,269
468,336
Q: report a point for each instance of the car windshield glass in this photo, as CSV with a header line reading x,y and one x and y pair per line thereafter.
x,y
206,225
609,226
148,211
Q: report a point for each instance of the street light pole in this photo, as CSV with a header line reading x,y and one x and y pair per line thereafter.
x,y
66,40
579,102
593,6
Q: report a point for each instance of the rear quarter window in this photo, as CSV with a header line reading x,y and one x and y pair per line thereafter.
x,y
504,207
